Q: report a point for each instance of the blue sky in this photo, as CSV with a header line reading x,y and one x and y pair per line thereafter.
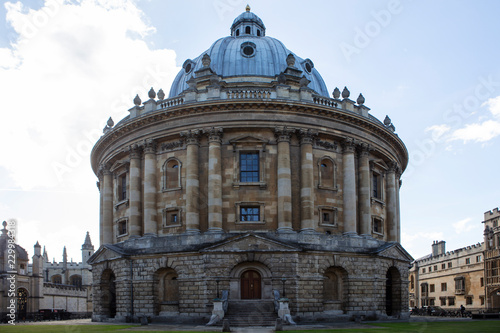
x,y
66,66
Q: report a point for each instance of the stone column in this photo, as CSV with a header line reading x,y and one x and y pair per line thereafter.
x,y
349,187
192,181
150,216
392,224
283,136
135,207
214,180
106,224
364,189
398,208
306,180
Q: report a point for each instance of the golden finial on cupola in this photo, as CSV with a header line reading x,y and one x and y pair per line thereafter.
x,y
247,8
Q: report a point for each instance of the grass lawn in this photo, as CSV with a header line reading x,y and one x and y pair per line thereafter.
x,y
74,329
423,327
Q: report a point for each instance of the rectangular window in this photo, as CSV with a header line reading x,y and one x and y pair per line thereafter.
x,y
435,268
249,214
482,282
376,186
249,167
122,187
444,286
423,270
460,285
481,298
327,216
172,217
443,301
467,261
468,300
449,265
432,288
431,302
443,266
451,301
378,226
122,228
478,258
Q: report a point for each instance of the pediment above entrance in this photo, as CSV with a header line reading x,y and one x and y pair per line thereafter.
x,y
105,253
251,243
394,251
248,139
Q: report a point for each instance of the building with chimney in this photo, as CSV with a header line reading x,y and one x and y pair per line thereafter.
x,y
249,179
449,279
42,284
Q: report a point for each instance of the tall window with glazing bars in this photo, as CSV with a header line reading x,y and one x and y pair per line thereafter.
x,y
249,167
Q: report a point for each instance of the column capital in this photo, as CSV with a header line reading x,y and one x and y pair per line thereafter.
x,y
283,133
192,137
364,149
393,167
134,151
348,145
307,135
104,169
149,146
214,134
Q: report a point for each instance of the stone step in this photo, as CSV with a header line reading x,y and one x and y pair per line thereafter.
x,y
251,313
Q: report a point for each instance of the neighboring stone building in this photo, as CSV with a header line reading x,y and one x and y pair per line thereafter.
x,y
249,178
492,259
41,284
449,279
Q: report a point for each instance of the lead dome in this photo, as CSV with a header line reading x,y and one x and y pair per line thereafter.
x,y
249,53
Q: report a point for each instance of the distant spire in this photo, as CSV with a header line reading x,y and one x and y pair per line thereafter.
x,y
87,244
247,8
65,255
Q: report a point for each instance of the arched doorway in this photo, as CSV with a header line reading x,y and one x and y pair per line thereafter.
x,y
392,292
22,303
251,285
108,290
335,289
166,291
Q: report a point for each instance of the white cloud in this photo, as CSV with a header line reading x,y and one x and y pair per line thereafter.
x,y
464,225
437,131
73,65
478,132
494,106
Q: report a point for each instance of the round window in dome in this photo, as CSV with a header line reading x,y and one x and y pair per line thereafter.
x,y
308,65
188,66
248,49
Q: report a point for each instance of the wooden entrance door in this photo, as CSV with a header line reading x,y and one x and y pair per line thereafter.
x,y
250,285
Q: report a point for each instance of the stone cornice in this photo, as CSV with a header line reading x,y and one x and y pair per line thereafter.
x,y
194,109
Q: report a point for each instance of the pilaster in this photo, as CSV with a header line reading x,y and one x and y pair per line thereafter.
x,y
349,186
283,136
306,179
364,189
192,138
150,188
214,179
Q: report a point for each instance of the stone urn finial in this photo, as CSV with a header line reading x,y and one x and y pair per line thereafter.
x,y
151,93
336,93
387,121
161,94
137,100
290,60
361,99
206,60
346,93
110,122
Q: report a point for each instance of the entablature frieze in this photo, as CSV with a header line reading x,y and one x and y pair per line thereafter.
x,y
352,120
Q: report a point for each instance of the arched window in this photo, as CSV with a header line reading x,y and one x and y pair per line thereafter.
x,y
334,289
248,30
76,280
258,32
166,291
237,32
327,173
56,279
172,174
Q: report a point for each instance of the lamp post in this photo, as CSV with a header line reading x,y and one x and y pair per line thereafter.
x,y
217,280
283,280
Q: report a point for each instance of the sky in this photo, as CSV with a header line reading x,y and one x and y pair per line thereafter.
x,y
67,66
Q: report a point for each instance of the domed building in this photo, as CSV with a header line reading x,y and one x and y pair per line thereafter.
x,y
251,182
